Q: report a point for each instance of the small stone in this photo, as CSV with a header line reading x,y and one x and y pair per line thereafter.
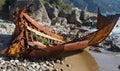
x,y
11,61
9,70
1,58
3,70
57,61
40,70
16,61
21,68
14,68
7,62
50,69
24,64
55,70
47,62
61,69
62,62
51,65
25,60
44,65
43,68
30,68
68,65
118,66
3,62
52,62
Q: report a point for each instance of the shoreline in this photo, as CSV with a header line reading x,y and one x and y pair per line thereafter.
x,y
107,61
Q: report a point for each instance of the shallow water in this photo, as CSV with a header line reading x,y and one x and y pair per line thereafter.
x,y
107,62
115,33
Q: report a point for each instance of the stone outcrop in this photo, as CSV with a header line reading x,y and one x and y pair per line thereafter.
x,y
39,14
74,17
63,13
52,11
59,20
47,14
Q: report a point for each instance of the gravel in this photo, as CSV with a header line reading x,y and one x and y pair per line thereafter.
x,y
6,64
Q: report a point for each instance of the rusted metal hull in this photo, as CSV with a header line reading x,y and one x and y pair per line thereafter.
x,y
24,45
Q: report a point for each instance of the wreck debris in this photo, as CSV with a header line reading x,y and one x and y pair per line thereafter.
x,y
105,24
101,34
30,40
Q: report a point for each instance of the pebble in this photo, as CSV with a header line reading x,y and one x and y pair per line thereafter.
x,y
55,70
68,65
118,66
53,63
12,61
47,62
29,68
3,62
24,64
27,65
58,61
17,62
44,65
61,62
61,69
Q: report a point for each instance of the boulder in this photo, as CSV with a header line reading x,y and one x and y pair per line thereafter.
x,y
59,20
74,17
4,9
52,11
83,16
39,14
63,13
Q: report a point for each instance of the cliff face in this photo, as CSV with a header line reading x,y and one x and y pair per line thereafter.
x,y
92,5
48,12
40,14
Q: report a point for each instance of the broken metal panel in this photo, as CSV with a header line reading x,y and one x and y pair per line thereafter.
x,y
105,24
35,24
101,34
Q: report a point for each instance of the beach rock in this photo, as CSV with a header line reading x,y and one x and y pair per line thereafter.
x,y
59,20
39,14
6,30
52,11
65,29
95,49
21,68
89,23
63,13
68,65
74,17
114,48
118,66
83,15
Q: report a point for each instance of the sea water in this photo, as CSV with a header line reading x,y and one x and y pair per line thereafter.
x,y
115,33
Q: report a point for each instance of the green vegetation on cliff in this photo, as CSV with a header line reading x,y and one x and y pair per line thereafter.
x,y
58,4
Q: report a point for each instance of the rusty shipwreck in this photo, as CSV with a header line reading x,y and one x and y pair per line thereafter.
x,y
24,45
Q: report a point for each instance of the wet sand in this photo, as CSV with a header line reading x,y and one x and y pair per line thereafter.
x,y
79,62
107,61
